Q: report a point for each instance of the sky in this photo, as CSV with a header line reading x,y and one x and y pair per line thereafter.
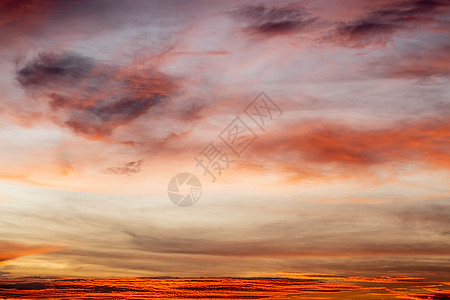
x,y
342,169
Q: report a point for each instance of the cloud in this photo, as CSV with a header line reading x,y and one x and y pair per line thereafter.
x,y
91,98
127,168
51,70
271,21
10,251
13,12
378,26
52,20
330,233
324,143
414,63
273,248
186,288
433,296
165,78
327,287
434,217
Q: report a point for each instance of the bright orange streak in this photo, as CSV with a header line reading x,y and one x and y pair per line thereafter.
x,y
230,288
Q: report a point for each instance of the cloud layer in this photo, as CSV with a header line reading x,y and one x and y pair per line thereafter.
x,y
103,102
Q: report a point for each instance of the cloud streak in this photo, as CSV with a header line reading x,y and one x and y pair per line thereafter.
x,y
378,26
349,149
271,21
220,288
10,251
127,168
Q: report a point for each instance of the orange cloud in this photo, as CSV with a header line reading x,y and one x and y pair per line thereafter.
x,y
217,288
323,143
10,251
384,279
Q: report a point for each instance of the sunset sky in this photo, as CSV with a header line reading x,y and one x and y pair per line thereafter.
x,y
345,185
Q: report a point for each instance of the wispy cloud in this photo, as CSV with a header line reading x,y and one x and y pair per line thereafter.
x,y
273,20
127,168
378,26
12,250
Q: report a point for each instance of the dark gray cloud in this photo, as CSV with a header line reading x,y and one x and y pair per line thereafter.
x,y
91,98
52,70
273,20
378,26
